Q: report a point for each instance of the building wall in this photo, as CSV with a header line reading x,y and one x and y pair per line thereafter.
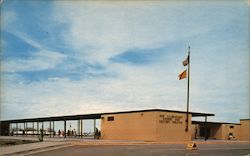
x,y
194,131
4,128
221,131
148,126
245,130
226,130
216,131
171,127
129,126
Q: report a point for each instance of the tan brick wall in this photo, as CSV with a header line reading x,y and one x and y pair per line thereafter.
x,y
129,126
221,131
193,127
173,131
149,126
244,130
216,131
226,130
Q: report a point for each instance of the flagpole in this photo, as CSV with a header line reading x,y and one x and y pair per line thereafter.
x,y
188,88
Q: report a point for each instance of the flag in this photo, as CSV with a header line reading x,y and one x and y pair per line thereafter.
x,y
183,75
185,62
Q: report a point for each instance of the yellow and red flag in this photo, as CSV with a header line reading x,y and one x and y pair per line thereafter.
x,y
186,61
183,75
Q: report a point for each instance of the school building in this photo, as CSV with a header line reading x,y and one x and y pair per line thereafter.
x,y
148,125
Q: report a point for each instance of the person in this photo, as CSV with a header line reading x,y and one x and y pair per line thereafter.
x,y
74,133
59,133
41,135
99,134
96,134
230,136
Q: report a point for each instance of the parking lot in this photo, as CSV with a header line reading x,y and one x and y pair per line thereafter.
x,y
235,149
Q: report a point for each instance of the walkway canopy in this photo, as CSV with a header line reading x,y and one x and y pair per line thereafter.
x,y
97,116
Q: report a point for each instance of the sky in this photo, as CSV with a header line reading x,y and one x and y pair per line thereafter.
x,y
66,58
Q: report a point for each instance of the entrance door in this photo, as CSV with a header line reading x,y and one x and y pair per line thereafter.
x,y
202,132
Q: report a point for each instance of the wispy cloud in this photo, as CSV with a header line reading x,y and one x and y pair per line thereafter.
x,y
110,56
139,56
41,60
27,39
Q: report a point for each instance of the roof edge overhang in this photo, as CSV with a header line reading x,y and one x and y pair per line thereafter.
x,y
244,119
98,116
215,123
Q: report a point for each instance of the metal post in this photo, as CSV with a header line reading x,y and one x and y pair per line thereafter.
x,y
205,128
94,128
78,127
50,129
10,130
64,128
33,128
188,88
16,129
23,129
42,128
26,127
37,127
53,129
81,128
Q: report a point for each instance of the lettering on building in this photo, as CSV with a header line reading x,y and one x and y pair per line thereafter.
x,y
175,119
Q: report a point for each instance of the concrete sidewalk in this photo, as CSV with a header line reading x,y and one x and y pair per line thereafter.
x,y
29,148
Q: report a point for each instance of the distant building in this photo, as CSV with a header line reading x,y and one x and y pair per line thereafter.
x,y
223,131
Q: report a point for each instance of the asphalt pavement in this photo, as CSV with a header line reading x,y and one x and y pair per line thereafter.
x,y
152,150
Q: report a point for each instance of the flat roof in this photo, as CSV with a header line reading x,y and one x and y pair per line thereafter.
x,y
194,114
244,119
215,123
97,116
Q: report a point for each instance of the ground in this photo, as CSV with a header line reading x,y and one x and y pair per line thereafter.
x,y
151,150
92,147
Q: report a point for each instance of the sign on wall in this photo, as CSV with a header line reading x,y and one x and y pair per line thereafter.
x,y
175,119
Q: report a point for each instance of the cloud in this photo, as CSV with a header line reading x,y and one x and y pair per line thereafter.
x,y
27,39
124,56
139,56
114,28
7,18
40,60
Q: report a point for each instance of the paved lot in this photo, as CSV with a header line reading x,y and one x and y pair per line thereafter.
x,y
152,150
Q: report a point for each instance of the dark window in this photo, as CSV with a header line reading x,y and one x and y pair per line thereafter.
x,y
110,118
202,132
231,126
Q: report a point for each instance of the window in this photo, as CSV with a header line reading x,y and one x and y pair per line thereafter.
x,y
231,126
110,118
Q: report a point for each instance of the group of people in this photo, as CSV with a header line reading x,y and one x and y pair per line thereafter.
x,y
69,133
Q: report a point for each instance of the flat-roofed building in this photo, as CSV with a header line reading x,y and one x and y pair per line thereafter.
x,y
150,125
147,125
216,130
